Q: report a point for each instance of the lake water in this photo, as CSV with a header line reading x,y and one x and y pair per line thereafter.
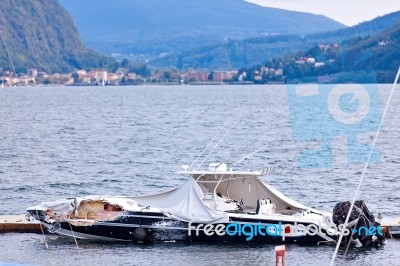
x,y
72,141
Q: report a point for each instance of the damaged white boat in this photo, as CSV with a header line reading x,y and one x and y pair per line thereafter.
x,y
214,205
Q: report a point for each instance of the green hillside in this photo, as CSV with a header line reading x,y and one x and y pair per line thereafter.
x,y
369,59
40,34
234,54
379,53
250,52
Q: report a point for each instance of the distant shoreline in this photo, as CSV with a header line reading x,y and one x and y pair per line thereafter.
x,y
183,85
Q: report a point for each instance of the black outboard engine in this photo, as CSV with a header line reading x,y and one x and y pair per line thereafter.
x,y
362,224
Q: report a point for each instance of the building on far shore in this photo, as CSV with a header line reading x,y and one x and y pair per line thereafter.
x,y
33,72
223,75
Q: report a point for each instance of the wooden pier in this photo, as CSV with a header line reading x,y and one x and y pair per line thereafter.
x,y
19,224
391,227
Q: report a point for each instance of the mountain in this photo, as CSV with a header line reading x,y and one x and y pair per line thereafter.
x,y
153,27
40,34
364,29
253,51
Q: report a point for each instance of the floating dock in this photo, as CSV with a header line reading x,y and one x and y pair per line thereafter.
x,y
391,227
19,224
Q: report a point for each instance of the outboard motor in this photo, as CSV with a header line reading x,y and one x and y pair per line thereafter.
x,y
360,222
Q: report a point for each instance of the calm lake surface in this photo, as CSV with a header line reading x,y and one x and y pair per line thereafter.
x,y
75,141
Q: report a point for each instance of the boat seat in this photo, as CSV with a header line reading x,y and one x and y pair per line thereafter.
x,y
265,207
223,203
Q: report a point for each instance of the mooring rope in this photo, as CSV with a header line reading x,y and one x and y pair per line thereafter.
x,y
356,193
8,53
8,113
14,139
29,170
73,234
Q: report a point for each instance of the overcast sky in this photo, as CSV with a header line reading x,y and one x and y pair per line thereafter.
x,y
348,12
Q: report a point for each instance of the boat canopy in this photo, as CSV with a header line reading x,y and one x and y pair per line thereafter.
x,y
247,187
184,203
187,202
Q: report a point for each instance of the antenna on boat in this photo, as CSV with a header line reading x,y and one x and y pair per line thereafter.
x,y
251,154
243,148
365,167
219,132
216,145
8,52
